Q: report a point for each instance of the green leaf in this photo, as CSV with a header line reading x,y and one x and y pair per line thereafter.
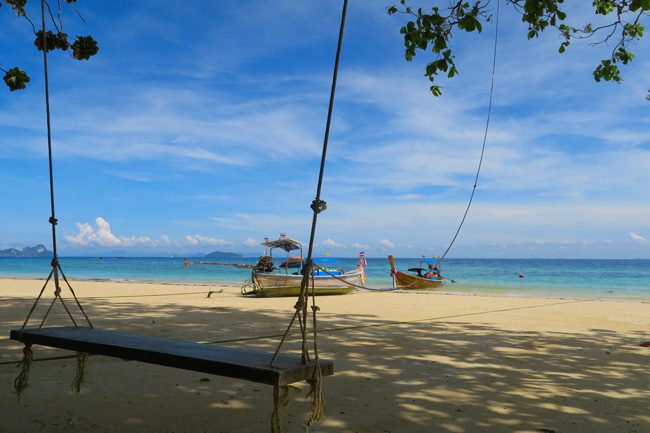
x,y
50,39
18,6
439,44
16,79
84,48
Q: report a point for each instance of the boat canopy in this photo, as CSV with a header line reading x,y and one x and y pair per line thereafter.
x,y
286,244
416,269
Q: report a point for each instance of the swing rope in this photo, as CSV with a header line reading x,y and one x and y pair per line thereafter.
x,y
56,267
318,205
21,381
487,126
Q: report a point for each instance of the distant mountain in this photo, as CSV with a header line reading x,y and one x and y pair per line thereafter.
x,y
37,251
222,255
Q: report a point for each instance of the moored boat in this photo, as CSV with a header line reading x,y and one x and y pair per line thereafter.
x,y
419,278
267,280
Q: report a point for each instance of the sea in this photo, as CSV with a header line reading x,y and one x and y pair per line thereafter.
x,y
557,278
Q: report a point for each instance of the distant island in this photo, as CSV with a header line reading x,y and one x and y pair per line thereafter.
x,y
222,255
37,251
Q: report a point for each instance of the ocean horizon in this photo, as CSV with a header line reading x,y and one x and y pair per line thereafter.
x,y
580,278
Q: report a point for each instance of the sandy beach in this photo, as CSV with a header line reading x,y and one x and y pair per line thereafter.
x,y
404,362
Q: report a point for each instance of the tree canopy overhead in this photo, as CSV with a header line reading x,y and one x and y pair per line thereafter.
x,y
432,30
82,48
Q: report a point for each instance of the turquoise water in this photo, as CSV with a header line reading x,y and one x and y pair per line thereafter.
x,y
621,279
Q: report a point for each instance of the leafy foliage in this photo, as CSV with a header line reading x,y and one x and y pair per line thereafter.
x,y
16,79
52,41
18,6
433,29
83,48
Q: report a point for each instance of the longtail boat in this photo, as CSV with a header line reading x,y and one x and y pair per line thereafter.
x,y
420,278
267,280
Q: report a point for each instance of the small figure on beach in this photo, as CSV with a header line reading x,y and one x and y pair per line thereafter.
x,y
522,276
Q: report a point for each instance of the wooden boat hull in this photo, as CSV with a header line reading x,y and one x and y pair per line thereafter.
x,y
276,285
412,282
406,281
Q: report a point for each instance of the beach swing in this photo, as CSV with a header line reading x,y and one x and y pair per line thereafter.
x,y
268,368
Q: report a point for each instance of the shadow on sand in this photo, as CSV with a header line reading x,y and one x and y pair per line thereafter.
x,y
428,377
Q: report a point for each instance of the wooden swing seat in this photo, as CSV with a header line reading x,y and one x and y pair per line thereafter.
x,y
222,361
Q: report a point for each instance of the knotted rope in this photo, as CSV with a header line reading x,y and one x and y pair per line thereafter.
x,y
317,407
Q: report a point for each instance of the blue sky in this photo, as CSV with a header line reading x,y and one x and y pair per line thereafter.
x,y
199,128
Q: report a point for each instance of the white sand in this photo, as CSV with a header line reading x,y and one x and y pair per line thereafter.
x,y
454,364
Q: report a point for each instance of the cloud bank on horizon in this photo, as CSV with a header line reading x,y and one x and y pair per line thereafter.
x,y
183,145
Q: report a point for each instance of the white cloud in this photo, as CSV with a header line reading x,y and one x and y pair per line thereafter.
x,y
194,126
102,235
261,222
135,177
251,243
385,243
205,240
359,246
332,243
637,238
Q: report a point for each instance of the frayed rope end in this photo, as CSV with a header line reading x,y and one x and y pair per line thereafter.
x,y
80,373
22,381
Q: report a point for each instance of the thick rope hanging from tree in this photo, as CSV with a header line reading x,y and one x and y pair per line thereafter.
x,y
318,205
21,382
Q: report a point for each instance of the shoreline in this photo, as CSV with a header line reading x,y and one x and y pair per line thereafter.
x,y
463,290
628,280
